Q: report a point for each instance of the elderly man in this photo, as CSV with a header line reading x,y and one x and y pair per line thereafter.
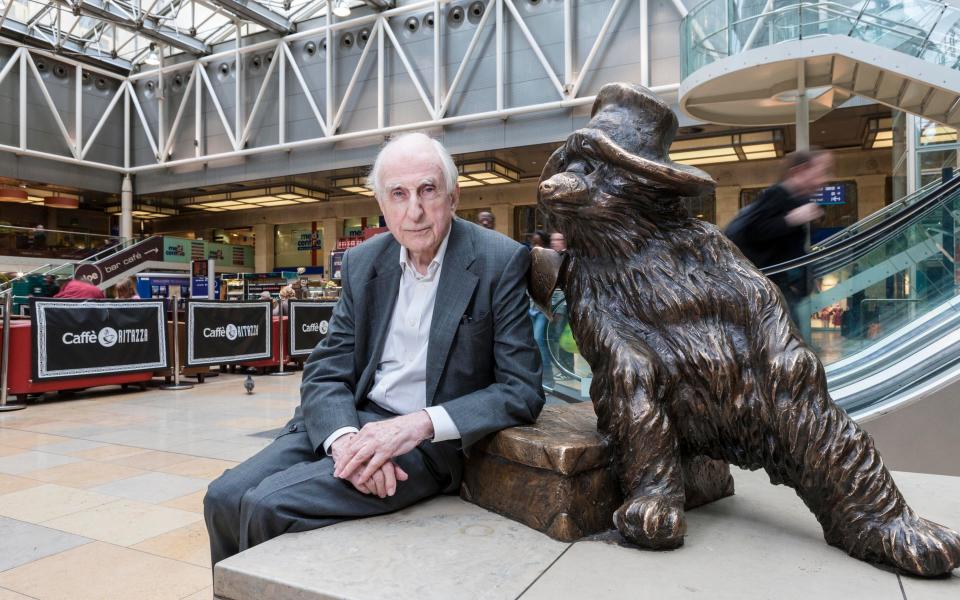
x,y
429,349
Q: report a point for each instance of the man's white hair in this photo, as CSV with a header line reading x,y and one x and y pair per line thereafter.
x,y
447,166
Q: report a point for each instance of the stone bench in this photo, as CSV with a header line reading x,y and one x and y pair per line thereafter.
x,y
555,476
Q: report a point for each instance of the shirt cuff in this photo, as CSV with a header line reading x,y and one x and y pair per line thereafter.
x,y
443,426
336,435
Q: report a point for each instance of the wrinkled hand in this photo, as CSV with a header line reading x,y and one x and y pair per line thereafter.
x,y
803,214
382,483
377,443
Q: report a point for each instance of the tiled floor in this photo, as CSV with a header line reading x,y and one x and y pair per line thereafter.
x,y
101,494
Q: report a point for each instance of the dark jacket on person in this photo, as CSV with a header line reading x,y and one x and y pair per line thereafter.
x,y
761,232
483,366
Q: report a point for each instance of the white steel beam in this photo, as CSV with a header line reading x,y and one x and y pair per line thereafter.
x,y
216,104
461,70
78,109
259,14
260,94
306,90
281,57
101,122
385,26
601,38
535,47
52,106
377,31
143,120
146,25
184,101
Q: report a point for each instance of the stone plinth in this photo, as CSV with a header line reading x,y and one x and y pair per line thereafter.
x,y
555,475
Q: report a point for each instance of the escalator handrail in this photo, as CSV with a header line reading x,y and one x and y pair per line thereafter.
x,y
872,235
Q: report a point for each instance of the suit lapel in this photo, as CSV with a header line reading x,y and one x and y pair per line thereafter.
x,y
454,291
381,294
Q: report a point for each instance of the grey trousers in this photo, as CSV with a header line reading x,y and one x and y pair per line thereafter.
x,y
287,487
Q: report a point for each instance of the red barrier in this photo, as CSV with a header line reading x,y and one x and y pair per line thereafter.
x,y
20,384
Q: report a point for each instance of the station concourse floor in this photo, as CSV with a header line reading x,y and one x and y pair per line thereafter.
x,y
100,499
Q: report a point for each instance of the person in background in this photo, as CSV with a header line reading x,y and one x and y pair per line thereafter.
x,y
538,239
126,289
80,289
558,242
282,306
775,227
52,286
487,220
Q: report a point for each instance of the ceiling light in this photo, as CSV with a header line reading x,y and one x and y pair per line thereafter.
x,y
255,198
8,194
736,147
61,202
486,172
341,8
878,133
354,185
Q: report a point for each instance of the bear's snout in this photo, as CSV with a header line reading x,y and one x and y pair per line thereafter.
x,y
563,187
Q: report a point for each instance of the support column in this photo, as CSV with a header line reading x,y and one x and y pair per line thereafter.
x,y
871,194
332,229
503,213
264,244
913,170
126,208
803,109
727,198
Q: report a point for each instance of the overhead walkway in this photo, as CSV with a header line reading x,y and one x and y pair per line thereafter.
x,y
743,63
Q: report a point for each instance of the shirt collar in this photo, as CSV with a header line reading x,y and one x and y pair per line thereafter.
x,y
434,264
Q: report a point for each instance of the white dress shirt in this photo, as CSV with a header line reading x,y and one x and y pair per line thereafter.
x,y
400,382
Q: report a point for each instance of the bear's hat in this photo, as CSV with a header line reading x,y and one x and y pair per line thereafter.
x,y
632,128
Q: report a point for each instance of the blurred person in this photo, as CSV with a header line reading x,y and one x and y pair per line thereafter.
x,y
283,303
126,289
80,289
538,239
775,227
558,242
487,220
52,286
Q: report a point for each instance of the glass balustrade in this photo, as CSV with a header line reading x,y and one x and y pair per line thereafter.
x,y
716,29
52,243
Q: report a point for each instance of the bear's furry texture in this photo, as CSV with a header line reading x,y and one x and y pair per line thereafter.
x,y
694,353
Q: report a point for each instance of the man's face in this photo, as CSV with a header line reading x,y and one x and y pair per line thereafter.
x,y
814,174
414,200
486,220
558,242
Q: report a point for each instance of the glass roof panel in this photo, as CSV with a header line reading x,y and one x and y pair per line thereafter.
x,y
109,27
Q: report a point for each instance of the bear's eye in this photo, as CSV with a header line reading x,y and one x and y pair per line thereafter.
x,y
580,165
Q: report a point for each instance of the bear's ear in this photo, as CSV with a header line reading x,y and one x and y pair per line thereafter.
x,y
546,268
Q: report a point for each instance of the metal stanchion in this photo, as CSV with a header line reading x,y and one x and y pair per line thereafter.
x,y
281,372
176,385
5,367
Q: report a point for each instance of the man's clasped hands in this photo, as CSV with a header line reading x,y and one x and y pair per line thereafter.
x,y
364,458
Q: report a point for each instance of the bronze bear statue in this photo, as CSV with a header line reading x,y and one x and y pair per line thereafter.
x,y
694,352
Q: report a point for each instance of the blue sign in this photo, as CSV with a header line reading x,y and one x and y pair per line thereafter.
x,y
198,287
831,194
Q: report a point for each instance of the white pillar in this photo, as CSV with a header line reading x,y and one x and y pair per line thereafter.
x,y
803,109
126,208
913,171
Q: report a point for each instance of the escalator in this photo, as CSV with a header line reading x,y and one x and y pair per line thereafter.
x,y
892,278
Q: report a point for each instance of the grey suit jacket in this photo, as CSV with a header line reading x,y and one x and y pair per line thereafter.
x,y
482,363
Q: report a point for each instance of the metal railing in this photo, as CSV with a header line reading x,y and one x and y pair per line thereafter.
x,y
716,29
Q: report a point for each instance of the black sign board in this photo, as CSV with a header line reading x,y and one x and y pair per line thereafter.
x,y
228,332
89,338
309,323
125,261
